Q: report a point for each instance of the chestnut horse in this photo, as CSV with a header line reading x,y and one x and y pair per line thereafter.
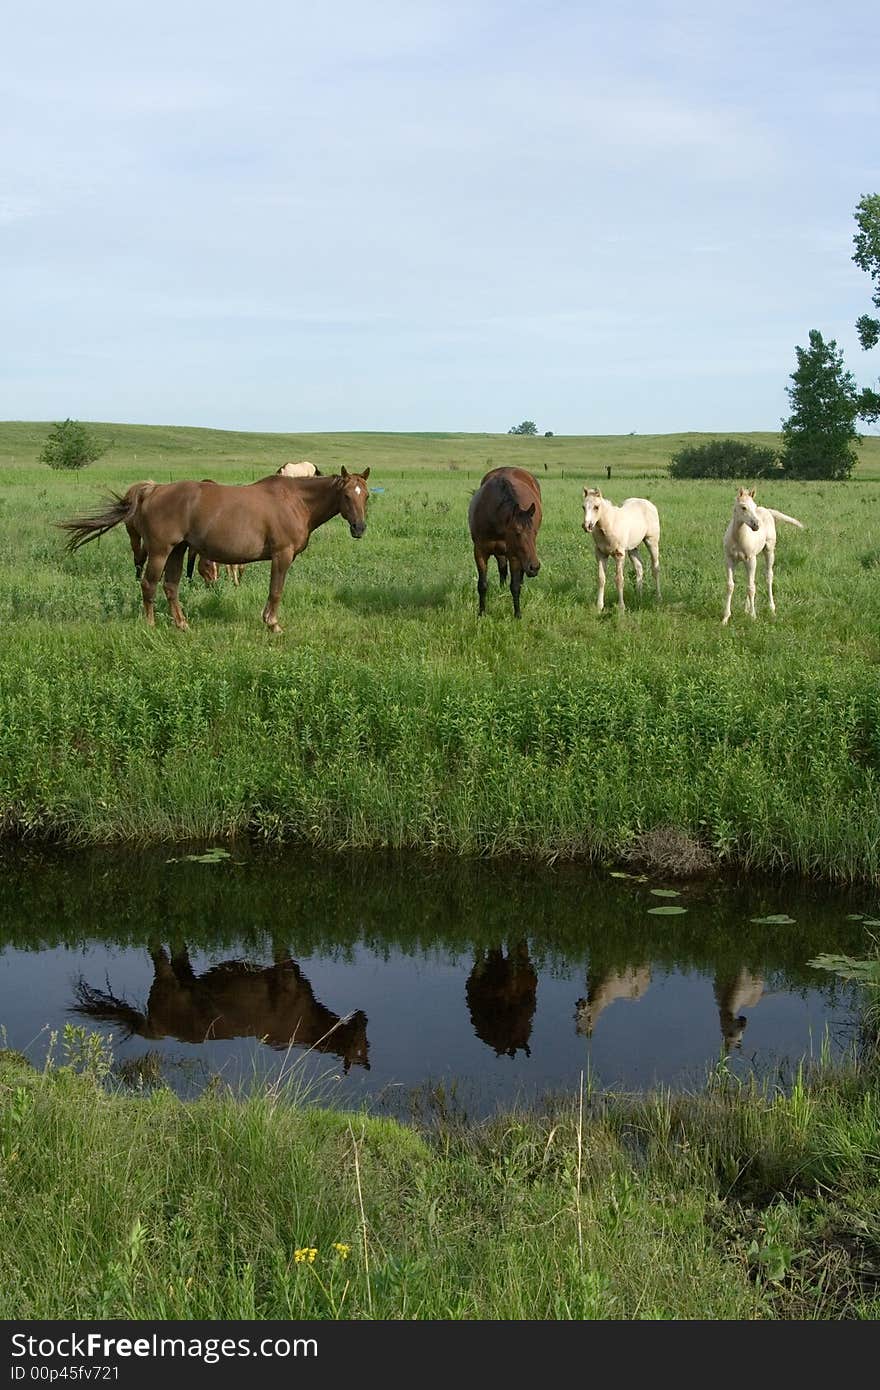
x,y
504,517
271,519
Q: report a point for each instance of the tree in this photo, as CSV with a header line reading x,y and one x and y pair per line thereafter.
x,y
527,427
70,445
819,434
867,258
724,458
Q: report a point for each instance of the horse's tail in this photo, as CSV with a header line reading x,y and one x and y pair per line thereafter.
x,y
105,1007
123,508
780,516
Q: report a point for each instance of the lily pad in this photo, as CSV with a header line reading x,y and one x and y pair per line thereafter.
x,y
215,855
871,921
666,892
855,916
776,919
671,910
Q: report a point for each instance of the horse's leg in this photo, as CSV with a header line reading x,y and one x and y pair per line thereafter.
x,y
654,552
602,561
191,558
639,569
769,557
620,561
149,581
751,565
281,562
138,549
726,619
173,571
233,572
482,579
502,569
516,578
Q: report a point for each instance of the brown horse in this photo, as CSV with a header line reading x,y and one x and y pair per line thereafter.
x,y
236,999
271,519
504,518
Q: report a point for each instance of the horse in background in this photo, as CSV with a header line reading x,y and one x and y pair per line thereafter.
x,y
504,517
303,469
619,531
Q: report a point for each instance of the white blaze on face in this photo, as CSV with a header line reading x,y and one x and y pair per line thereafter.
x,y
357,490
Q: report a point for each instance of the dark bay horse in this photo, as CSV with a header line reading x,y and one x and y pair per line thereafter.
x,y
236,999
501,993
504,518
271,519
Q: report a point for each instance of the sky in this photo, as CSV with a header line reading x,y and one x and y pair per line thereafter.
x,y
430,215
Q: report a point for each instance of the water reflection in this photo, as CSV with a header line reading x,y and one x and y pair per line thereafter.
x,y
604,988
740,991
234,999
225,965
501,994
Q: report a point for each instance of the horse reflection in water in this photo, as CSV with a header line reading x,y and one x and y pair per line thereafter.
x,y
604,989
732,993
501,994
236,999
742,990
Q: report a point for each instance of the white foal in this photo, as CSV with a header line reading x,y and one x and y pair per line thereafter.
x,y
751,530
619,531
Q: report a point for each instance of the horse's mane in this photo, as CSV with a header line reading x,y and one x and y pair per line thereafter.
x,y
509,498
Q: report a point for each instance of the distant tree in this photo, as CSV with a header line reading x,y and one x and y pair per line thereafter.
x,y
724,458
819,435
527,427
548,434
70,445
867,258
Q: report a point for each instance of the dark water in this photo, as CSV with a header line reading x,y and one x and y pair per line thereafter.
x,y
497,983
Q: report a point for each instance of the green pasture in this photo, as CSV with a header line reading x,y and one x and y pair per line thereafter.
x,y
388,715
735,1203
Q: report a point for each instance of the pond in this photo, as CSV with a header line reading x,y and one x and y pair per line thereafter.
x,y
409,983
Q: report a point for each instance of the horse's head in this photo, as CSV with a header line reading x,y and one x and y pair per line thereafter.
x,y
592,501
522,541
353,505
744,509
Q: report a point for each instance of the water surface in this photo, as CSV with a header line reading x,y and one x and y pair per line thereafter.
x,y
375,977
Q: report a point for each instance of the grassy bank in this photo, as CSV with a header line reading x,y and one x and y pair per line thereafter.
x,y
387,715
731,1204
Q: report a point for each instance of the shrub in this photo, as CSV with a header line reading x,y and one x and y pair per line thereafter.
x,y
70,446
724,458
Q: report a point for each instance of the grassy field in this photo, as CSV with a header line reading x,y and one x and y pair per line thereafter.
x,y
387,715
731,1204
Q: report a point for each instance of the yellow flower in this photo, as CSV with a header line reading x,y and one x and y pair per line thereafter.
x,y
342,1250
305,1256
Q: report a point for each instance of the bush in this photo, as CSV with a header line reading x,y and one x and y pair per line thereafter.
x,y
724,458
70,446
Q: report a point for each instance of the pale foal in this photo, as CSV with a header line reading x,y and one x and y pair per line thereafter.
x,y
751,530
619,531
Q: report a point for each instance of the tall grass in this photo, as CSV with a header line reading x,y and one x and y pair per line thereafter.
x,y
731,1204
388,715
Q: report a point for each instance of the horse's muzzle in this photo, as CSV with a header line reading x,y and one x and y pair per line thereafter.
x,y
588,526
755,525
532,570
357,529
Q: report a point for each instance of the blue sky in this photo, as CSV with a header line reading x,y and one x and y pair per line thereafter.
x,y
429,216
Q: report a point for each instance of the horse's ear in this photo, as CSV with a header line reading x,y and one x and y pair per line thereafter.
x,y
365,475
344,472
530,511
751,492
